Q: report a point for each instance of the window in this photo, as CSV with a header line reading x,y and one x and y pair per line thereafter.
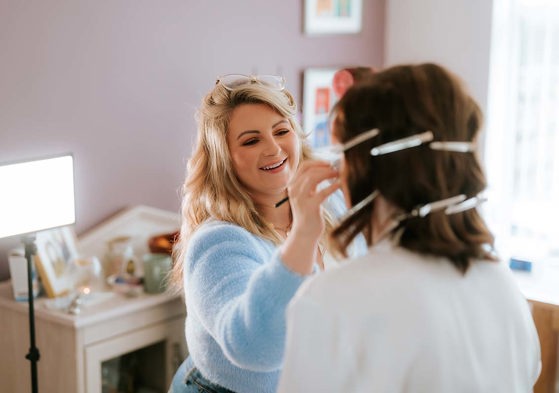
x,y
521,152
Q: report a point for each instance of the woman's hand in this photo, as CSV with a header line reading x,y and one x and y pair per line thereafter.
x,y
305,197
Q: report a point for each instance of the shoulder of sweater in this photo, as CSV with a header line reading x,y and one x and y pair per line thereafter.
x,y
220,230
222,234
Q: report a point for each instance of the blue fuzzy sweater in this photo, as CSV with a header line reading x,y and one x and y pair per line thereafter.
x,y
236,290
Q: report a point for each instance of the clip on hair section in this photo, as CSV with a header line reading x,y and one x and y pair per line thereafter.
x,y
333,154
419,139
356,140
459,147
465,205
360,205
401,144
422,211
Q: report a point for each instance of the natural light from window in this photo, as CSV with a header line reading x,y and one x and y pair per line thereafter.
x,y
521,152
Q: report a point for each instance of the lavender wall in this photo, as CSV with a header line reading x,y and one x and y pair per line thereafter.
x,y
117,82
455,34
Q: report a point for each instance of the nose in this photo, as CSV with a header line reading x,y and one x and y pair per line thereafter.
x,y
272,148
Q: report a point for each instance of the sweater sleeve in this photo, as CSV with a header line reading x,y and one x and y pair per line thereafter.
x,y
239,294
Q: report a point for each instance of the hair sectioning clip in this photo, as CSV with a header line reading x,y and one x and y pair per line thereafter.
x,y
360,205
465,205
419,139
422,211
333,153
452,205
459,147
401,144
355,141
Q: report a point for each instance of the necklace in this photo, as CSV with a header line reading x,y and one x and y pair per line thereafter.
x,y
284,229
275,205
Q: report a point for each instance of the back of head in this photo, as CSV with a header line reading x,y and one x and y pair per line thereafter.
x,y
403,101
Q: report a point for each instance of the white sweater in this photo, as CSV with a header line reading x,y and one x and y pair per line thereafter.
x,y
395,321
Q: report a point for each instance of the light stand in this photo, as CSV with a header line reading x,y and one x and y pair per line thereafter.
x,y
33,355
36,195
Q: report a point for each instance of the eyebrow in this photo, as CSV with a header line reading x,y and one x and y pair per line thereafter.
x,y
258,132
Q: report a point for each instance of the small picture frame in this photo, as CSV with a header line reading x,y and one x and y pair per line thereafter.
x,y
318,99
333,16
56,249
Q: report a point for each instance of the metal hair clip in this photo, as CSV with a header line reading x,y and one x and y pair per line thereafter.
x,y
360,205
355,141
401,144
459,147
422,211
465,205
333,153
419,139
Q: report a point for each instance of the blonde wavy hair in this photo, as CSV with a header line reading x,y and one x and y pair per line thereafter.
x,y
211,188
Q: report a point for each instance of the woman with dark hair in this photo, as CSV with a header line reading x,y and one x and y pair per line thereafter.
x,y
429,308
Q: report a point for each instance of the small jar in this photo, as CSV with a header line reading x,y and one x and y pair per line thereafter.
x,y
156,269
119,259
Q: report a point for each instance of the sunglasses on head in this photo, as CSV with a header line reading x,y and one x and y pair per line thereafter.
x,y
235,81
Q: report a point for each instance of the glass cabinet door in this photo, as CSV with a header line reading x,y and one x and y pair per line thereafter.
x,y
139,371
142,361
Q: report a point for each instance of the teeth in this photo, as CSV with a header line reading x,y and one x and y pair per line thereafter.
x,y
273,166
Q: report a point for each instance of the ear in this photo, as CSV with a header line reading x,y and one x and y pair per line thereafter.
x,y
342,80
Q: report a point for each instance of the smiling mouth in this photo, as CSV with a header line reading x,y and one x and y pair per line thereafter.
x,y
274,166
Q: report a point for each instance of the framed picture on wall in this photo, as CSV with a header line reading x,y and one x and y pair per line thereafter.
x,y
56,249
333,16
318,100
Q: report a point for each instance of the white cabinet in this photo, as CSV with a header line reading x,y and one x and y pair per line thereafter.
x,y
137,341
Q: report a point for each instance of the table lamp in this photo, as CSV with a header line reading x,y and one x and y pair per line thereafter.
x,y
36,195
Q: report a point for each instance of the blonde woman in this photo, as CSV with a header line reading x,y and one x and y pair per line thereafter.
x,y
243,251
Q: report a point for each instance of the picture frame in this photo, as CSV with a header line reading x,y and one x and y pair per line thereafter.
x,y
333,16
56,249
318,99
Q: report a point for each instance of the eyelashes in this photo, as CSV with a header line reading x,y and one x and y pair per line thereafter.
x,y
255,140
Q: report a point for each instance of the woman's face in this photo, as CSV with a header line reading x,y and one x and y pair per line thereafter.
x,y
264,150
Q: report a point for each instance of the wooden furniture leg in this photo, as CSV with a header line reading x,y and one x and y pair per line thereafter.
x,y
547,324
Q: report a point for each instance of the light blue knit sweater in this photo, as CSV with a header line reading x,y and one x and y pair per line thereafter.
x,y
236,290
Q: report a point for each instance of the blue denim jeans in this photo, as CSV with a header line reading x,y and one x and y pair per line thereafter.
x,y
192,381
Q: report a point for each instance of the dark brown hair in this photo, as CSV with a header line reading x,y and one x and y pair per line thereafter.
x,y
360,74
402,101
